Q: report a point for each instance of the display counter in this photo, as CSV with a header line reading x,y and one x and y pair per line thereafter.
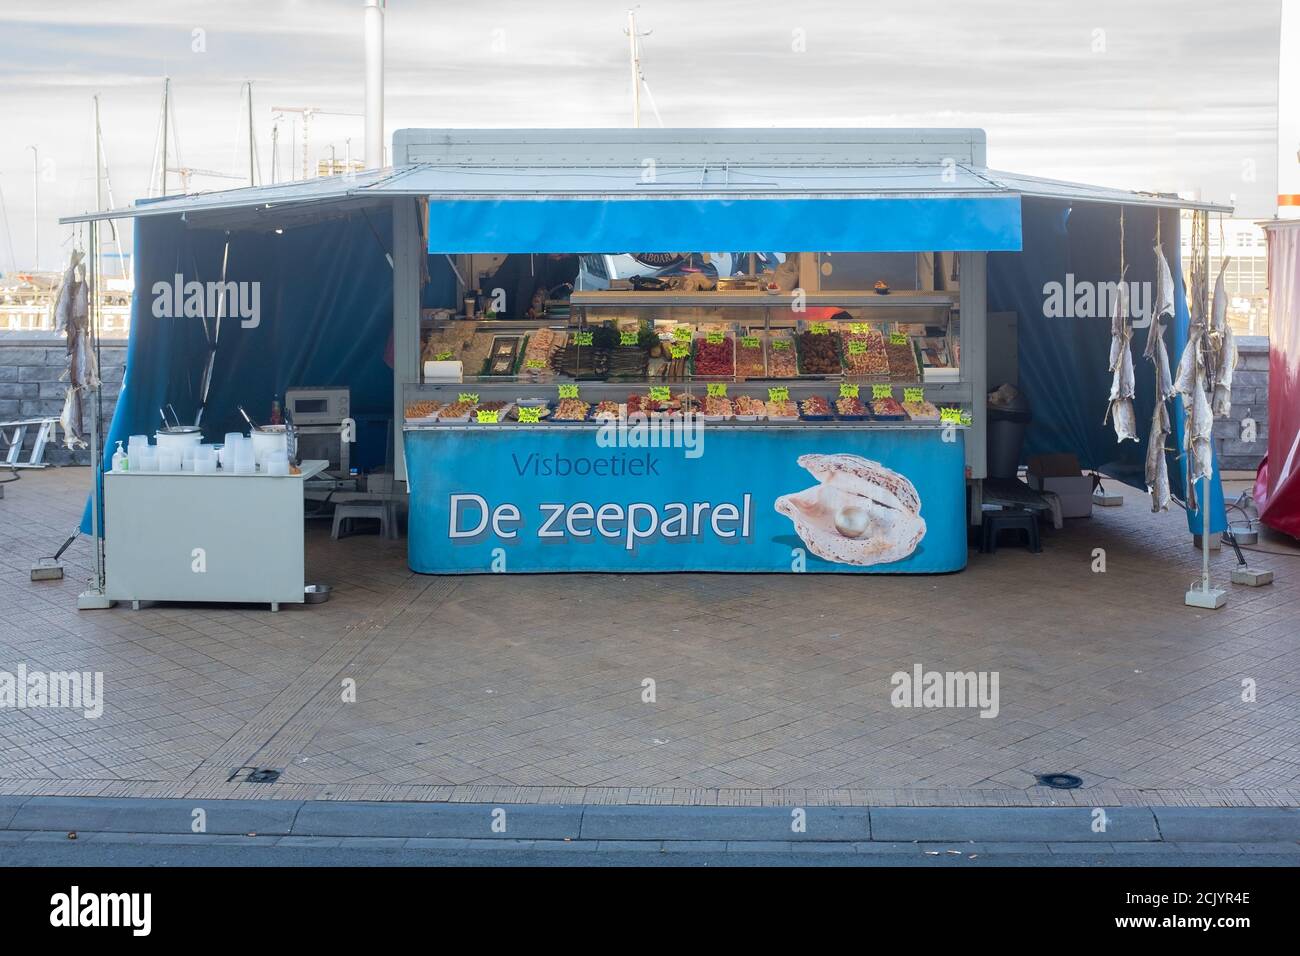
x,y
712,431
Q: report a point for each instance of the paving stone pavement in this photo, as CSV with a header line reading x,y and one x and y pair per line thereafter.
x,y
769,689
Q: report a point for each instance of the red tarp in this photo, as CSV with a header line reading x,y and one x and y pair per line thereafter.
x,y
1279,476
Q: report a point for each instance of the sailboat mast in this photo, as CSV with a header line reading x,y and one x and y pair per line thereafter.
x,y
167,83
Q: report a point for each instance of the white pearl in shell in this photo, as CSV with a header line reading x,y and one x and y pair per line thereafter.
x,y
851,521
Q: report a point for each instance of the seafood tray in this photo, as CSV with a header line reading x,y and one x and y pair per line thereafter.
x,y
628,364
870,360
782,362
505,350
543,410
715,359
422,411
749,409
501,408
814,408
455,412
782,412
605,411
902,363
582,362
851,409
888,410
571,411
749,358
818,354
717,408
922,411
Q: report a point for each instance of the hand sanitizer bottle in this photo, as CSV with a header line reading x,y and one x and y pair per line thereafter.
x,y
119,459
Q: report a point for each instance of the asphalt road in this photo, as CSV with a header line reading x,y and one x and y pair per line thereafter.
x,y
149,854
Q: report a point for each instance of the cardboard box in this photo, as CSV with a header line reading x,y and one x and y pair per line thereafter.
x,y
1061,474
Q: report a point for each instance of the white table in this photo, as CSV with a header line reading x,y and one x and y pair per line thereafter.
x,y
179,536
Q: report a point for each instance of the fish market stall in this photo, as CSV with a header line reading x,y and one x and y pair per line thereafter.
x,y
802,390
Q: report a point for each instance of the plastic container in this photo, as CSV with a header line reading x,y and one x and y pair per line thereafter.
x,y
144,459
276,464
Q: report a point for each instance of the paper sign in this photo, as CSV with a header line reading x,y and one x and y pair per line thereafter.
x,y
443,357
749,341
819,328
858,328
965,417
897,338
488,418
679,350
529,416
950,415
848,391
661,393
881,391
916,394
682,333
781,394
717,389
780,344
714,338
468,398
534,363
568,391
581,338
857,346
628,338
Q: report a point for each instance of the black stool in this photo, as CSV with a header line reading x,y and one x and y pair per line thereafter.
x,y
1009,519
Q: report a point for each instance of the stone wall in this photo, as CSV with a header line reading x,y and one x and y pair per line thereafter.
x,y
31,365
1249,400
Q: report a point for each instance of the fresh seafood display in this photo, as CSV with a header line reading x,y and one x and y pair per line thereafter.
x,y
749,357
779,410
605,410
848,406
859,512
747,407
718,406
815,407
571,410
921,411
902,362
715,358
887,408
819,353
864,353
540,411
781,361
422,409
538,353
456,411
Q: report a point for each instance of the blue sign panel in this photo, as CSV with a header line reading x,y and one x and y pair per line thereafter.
x,y
498,498
886,224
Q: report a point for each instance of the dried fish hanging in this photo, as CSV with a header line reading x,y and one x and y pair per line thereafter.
x,y
72,317
1120,410
1195,367
1157,466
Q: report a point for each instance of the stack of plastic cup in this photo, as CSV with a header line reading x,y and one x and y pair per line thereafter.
x,y
144,458
276,464
134,446
245,463
169,459
205,460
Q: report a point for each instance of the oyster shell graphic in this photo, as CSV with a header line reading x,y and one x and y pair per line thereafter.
x,y
859,513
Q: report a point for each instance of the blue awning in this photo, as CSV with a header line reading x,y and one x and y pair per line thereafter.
x,y
883,224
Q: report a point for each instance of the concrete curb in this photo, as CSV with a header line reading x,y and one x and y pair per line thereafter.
x,y
325,820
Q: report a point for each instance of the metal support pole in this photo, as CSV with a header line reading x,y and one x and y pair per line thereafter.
x,y
93,597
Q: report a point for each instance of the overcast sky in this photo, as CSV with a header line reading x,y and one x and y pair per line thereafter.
x,y
1144,94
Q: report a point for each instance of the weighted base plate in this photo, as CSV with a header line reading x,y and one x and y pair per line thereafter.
x,y
93,601
1106,500
1211,600
1252,577
47,569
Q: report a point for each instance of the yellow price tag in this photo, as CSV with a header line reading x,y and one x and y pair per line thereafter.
x,y
857,346
534,363
848,391
749,341
443,357
469,398
628,338
950,415
780,344
781,394
714,338
679,350
582,338
819,328
897,338
529,416
717,389
661,393
916,394
858,328
488,418
568,391
682,333
881,391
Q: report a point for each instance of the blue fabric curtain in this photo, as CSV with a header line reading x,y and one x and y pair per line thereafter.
x,y
1063,360
325,318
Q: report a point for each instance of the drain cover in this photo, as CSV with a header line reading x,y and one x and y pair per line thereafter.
x,y
1060,781
263,775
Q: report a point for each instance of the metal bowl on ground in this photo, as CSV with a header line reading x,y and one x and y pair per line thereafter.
x,y
316,593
